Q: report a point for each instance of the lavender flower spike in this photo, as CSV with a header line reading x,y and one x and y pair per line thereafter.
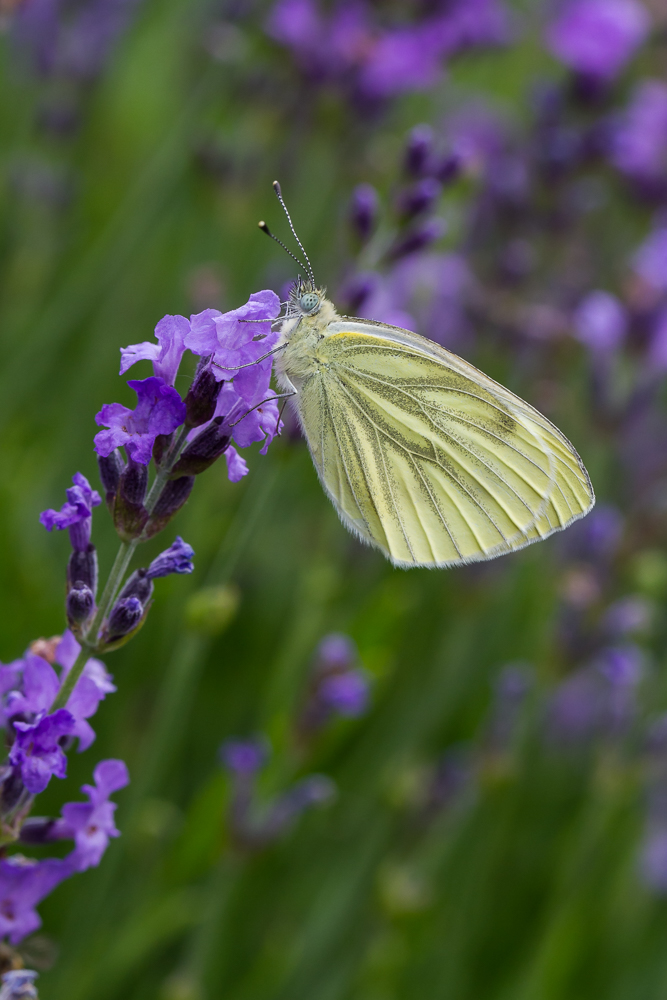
x,y
176,559
18,985
76,514
159,410
91,824
243,757
598,37
166,355
37,751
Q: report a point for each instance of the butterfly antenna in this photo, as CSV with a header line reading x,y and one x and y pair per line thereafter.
x,y
279,195
265,229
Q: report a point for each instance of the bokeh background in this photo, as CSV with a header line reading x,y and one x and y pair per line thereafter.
x,y
499,830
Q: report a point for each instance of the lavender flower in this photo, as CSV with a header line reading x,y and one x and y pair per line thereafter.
x,y
337,686
638,140
159,410
653,858
17,984
76,514
37,749
243,757
649,260
598,37
600,322
364,210
176,559
91,824
345,694
23,884
166,355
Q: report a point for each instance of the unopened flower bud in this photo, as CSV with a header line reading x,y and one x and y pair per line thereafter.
x,y
418,150
449,169
364,210
173,496
79,604
418,198
139,585
111,468
203,451
176,559
201,398
161,446
124,618
129,513
82,566
417,239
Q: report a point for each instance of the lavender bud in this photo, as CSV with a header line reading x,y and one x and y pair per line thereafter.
x,y
39,830
176,559
79,604
129,513
161,445
82,567
111,469
18,984
418,198
139,585
417,239
357,289
170,501
201,398
418,150
124,618
12,787
243,757
336,651
364,210
203,451
449,169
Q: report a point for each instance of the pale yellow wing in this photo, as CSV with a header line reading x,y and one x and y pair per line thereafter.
x,y
427,458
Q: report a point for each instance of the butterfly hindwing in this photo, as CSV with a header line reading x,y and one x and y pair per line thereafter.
x,y
427,458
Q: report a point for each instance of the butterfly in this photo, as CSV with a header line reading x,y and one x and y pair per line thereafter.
x,y
422,455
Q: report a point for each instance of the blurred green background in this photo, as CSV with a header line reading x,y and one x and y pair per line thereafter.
x,y
527,888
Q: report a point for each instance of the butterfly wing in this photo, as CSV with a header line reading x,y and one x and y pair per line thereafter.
x,y
427,458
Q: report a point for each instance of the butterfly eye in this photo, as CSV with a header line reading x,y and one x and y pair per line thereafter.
x,y
310,302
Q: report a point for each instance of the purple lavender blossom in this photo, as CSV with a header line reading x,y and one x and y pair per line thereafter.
x,y
166,355
336,651
92,687
363,212
176,559
17,984
600,322
76,514
598,37
346,694
243,757
657,352
638,140
71,41
91,824
23,884
159,410
37,751
627,615
649,261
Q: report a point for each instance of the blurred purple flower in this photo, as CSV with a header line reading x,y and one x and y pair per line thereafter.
x,y
37,750
23,884
600,322
91,824
159,410
176,559
71,40
657,352
598,37
166,355
243,757
17,984
653,858
638,139
434,288
596,538
345,693
403,59
363,210
627,615
650,260
336,651
76,514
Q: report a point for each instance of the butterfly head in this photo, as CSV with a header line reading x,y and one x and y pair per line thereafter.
x,y
305,299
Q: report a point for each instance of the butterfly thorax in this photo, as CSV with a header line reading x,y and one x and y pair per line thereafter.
x,y
302,333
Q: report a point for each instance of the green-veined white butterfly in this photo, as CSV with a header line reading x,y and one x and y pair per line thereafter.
x,y
422,455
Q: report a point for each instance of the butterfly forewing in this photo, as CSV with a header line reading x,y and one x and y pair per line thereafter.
x,y
427,458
